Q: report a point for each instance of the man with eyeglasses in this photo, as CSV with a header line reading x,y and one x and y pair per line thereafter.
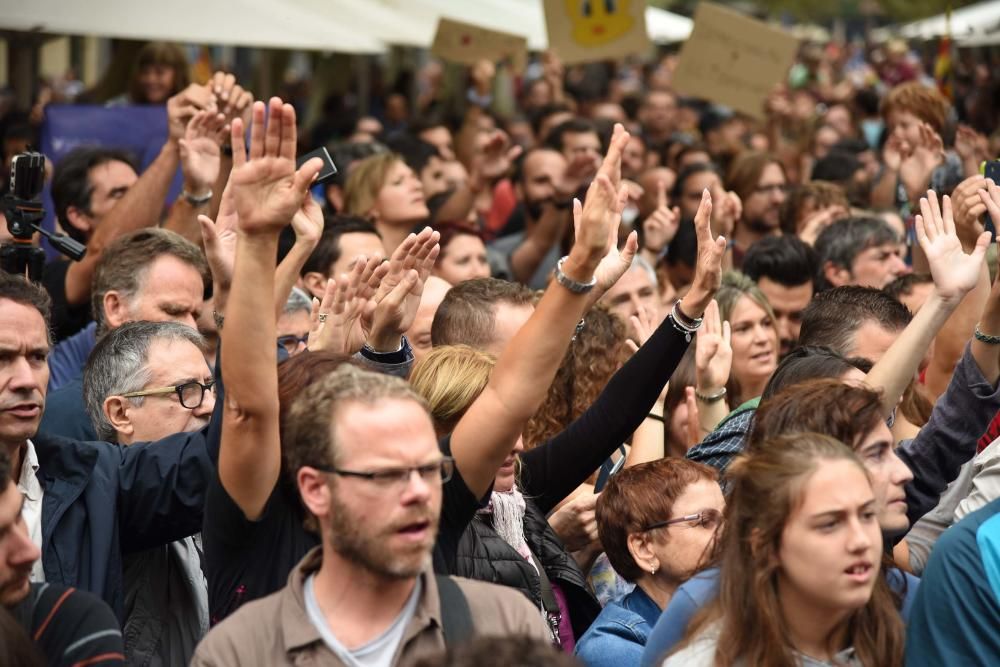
x,y
145,381
153,275
371,473
89,503
759,180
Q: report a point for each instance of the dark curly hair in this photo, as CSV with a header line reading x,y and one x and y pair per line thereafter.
x,y
592,358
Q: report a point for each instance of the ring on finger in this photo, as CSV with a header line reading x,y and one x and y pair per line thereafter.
x,y
322,317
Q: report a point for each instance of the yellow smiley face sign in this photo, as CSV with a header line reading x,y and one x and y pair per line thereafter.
x,y
597,22
590,30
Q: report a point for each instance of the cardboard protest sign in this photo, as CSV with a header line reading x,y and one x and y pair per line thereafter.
x,y
732,59
589,30
467,44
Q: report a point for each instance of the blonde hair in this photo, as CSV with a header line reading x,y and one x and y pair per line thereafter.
x,y
450,378
365,181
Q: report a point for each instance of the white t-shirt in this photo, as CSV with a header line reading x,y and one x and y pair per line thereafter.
x,y
380,651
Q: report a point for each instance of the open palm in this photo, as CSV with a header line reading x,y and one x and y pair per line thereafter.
x,y
955,273
267,189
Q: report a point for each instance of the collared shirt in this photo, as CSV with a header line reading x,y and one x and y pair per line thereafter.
x,y
276,630
29,487
377,652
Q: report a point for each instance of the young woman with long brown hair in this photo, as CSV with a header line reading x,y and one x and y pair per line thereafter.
x,y
801,553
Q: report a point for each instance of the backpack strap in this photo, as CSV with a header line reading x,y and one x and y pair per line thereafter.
x,y
456,616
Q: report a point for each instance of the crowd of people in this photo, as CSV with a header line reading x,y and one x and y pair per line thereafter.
x,y
624,378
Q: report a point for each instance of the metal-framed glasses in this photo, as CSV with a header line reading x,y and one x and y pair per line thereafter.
x,y
291,342
191,394
707,518
437,472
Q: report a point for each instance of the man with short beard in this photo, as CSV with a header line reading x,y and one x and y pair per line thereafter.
x,y
545,184
371,473
759,180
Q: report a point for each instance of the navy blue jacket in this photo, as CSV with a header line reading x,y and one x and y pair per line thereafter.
x,y
102,500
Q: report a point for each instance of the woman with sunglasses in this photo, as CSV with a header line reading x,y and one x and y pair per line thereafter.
x,y
657,522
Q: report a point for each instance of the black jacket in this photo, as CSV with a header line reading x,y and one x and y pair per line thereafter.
x,y
484,555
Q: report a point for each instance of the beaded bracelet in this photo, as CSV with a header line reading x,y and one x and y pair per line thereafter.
x,y
986,338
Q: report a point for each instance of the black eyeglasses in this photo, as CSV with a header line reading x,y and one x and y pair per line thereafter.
x,y
708,518
291,342
191,394
438,472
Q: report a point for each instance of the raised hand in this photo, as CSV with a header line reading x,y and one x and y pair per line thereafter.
x,y
200,150
643,325
411,263
230,97
893,153
308,222
184,105
708,266
219,237
659,229
916,169
955,273
596,222
817,221
496,158
713,354
968,208
336,320
726,210
267,189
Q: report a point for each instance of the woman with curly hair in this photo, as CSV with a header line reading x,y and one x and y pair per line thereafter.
x,y
597,351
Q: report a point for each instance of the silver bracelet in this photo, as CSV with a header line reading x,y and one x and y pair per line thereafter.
x,y
196,200
574,286
682,323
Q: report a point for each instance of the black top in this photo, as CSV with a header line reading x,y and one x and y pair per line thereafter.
x,y
246,560
66,319
551,471
70,627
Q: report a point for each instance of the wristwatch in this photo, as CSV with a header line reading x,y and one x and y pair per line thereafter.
x,y
574,286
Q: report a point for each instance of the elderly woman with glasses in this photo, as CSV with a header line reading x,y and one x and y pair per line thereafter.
x,y
657,522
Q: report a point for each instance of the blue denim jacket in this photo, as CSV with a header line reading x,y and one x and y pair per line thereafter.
x,y
618,635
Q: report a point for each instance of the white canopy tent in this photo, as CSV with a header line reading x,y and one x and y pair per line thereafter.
x,y
260,23
346,26
969,21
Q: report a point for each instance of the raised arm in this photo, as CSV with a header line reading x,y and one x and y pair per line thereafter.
x,y
955,274
556,467
523,373
201,163
267,191
142,204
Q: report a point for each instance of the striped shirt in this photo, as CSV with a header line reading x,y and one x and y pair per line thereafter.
x,y
72,628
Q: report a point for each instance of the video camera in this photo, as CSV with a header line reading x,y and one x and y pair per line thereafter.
x,y
22,206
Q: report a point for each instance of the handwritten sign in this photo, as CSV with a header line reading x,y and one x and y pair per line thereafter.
x,y
733,60
467,44
589,30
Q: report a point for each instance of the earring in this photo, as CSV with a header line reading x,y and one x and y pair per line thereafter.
x,y
652,570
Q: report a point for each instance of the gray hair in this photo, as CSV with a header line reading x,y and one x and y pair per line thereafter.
x,y
118,365
640,262
845,239
297,300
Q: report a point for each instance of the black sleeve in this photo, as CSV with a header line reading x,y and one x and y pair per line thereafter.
x,y
73,627
66,319
552,470
458,508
